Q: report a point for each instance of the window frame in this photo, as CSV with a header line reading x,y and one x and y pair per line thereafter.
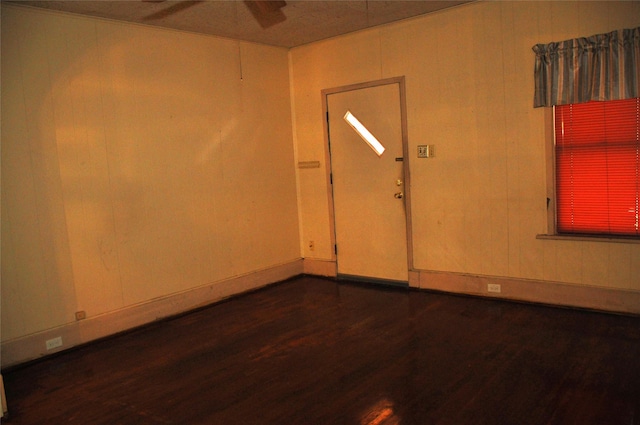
x,y
551,201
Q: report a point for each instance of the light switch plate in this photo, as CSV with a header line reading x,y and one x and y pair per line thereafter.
x,y
426,151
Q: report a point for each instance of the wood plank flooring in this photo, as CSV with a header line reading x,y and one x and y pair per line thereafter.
x,y
314,351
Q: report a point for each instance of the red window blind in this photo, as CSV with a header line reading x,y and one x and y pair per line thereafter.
x,y
598,167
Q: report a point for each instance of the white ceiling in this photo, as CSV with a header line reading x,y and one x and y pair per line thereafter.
x,y
304,21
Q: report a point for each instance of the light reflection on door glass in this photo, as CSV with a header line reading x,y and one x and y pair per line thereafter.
x,y
364,133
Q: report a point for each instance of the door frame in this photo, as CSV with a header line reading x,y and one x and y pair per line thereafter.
x,y
400,81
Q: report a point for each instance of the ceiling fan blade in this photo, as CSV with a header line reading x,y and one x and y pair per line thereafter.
x,y
174,8
266,6
267,13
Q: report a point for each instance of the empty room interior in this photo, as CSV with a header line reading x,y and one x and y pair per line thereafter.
x,y
209,204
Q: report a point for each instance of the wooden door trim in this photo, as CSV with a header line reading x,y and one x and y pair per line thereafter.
x,y
405,152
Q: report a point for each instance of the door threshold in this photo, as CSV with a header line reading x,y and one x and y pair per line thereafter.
x,y
373,280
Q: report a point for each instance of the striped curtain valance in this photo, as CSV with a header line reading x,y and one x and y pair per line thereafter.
x,y
600,67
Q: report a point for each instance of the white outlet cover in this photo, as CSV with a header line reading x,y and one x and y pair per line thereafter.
x,y
54,343
494,287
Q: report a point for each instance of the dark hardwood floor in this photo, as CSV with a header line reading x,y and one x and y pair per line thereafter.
x,y
313,351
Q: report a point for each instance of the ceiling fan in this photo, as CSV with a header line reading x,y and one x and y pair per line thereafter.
x,y
266,12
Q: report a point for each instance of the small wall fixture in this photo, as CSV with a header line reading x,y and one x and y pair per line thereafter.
x,y
308,164
364,133
426,151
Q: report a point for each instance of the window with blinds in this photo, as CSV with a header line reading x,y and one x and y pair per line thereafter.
x,y
598,168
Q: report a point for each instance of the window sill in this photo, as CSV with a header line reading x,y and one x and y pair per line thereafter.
x,y
609,239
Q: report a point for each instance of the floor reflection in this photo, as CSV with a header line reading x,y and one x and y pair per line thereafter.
x,y
381,413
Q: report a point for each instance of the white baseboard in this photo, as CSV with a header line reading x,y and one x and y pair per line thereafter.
x,y
2,396
527,290
33,346
536,291
319,267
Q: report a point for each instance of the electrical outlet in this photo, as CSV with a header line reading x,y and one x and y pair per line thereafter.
x,y
81,315
312,245
494,287
54,343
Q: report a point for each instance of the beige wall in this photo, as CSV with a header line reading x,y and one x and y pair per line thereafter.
x,y
138,166
136,163
479,204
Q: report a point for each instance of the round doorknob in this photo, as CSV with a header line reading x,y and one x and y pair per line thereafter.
x,y
399,195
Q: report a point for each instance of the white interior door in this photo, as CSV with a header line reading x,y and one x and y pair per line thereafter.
x,y
368,190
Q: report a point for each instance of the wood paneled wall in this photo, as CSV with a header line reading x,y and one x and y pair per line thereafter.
x,y
136,163
478,206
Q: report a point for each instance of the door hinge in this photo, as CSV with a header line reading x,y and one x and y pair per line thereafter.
x,y
331,178
335,249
